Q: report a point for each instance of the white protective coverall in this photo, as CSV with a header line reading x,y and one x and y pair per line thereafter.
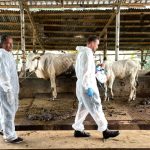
x,y
85,72
9,89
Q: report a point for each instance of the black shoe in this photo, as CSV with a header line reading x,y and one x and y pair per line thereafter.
x,y
15,141
1,132
108,134
81,134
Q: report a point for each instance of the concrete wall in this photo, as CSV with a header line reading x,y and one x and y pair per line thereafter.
x,y
32,86
122,88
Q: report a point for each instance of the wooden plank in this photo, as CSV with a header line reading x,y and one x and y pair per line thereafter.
x,y
74,13
83,39
122,48
142,59
73,46
70,20
129,32
80,32
117,33
105,46
34,26
10,31
70,32
83,43
23,38
75,26
67,22
124,24
110,20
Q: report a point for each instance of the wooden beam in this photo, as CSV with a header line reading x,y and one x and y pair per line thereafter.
x,y
74,45
142,59
122,48
117,33
34,39
71,47
70,32
98,13
110,20
83,42
34,26
92,26
82,32
55,32
23,39
71,25
10,31
129,32
75,26
105,46
67,22
131,38
74,13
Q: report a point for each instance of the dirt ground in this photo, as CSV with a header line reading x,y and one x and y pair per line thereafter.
x,y
65,140
42,111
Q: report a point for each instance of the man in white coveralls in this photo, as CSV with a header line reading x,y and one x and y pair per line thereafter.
x,y
87,92
9,89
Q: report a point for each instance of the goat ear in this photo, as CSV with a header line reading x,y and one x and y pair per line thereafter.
x,y
37,57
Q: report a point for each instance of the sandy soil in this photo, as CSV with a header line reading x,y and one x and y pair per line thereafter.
x,y
65,140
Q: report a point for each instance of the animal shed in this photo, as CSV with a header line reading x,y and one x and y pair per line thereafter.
x,y
58,27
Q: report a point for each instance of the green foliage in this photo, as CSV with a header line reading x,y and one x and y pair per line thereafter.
x,y
147,65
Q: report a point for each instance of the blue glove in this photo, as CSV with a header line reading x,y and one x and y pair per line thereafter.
x,y
90,92
97,68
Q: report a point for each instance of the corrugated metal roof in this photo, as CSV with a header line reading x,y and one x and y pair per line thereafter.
x,y
73,3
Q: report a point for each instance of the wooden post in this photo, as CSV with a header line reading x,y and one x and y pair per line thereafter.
x,y
117,34
17,60
38,39
142,59
23,38
105,45
34,39
111,18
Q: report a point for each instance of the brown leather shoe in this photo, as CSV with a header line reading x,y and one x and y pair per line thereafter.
x,y
1,132
15,141
110,134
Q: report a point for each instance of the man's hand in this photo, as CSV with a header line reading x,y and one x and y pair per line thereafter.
x,y
90,92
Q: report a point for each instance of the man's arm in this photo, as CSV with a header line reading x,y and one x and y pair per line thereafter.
x,y
5,74
87,78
